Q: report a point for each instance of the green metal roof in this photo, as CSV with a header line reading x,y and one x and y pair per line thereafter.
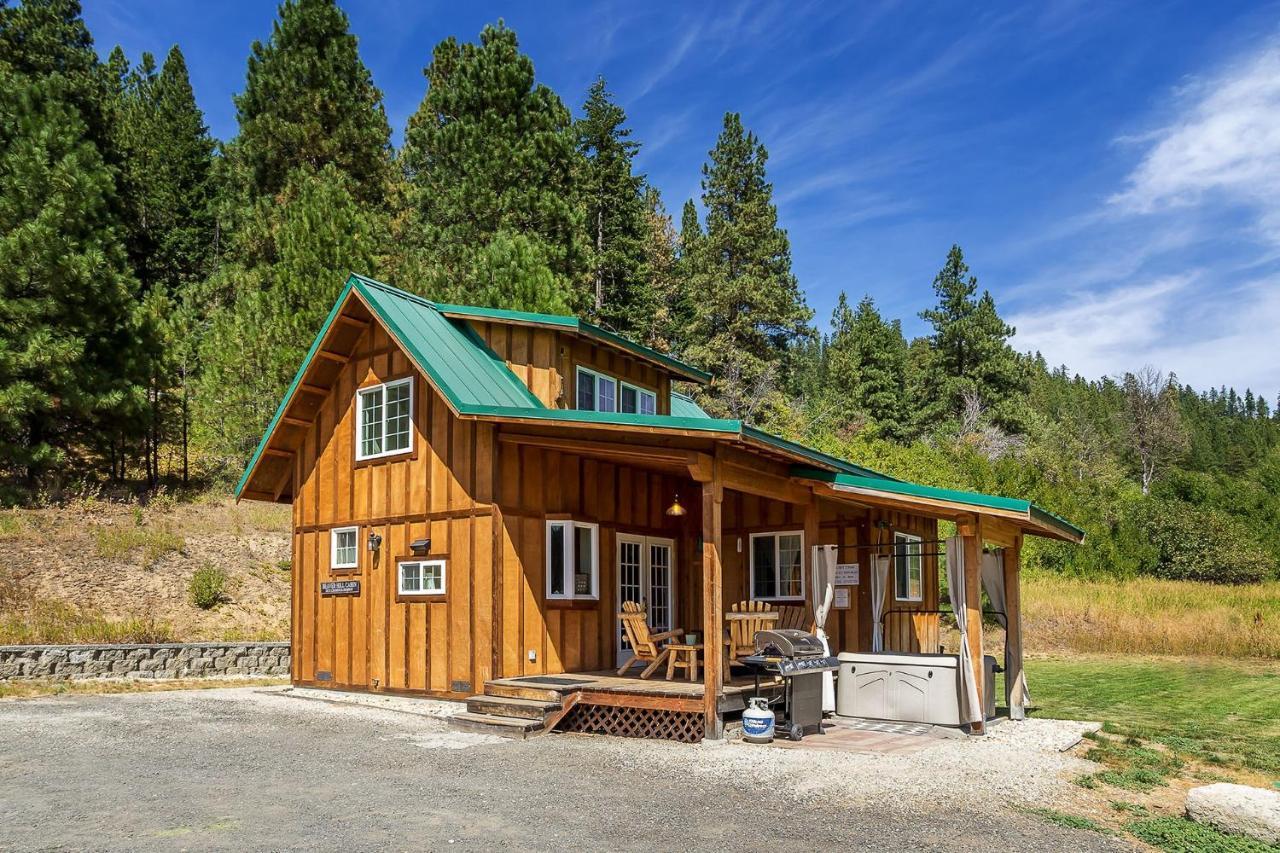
x,y
974,499
582,327
478,383
684,406
459,363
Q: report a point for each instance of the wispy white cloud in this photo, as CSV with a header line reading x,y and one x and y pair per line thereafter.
x,y
1168,322
1222,146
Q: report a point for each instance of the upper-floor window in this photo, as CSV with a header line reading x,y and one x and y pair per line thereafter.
x,y
383,419
600,393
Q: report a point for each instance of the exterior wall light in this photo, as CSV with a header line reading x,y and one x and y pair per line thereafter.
x,y
375,541
420,547
676,509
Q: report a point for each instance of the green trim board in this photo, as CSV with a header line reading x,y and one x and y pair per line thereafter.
x,y
978,500
582,327
293,387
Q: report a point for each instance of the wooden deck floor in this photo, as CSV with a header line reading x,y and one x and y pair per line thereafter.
x,y
679,692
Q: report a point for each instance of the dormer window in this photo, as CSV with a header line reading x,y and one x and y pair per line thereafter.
x,y
600,393
383,415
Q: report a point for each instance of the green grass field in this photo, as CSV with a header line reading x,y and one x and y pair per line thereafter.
x,y
1165,721
1219,712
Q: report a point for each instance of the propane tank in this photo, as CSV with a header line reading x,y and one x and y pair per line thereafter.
x,y
757,721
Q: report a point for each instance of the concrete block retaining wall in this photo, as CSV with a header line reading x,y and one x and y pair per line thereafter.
x,y
162,660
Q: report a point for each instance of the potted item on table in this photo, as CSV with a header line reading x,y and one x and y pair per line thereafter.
x,y
692,638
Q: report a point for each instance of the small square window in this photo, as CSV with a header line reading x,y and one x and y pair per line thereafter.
x,y
344,545
421,577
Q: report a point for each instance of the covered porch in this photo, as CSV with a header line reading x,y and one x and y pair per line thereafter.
x,y
735,505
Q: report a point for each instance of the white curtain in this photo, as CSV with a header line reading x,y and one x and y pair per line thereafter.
x,y
821,578
970,712
879,580
993,583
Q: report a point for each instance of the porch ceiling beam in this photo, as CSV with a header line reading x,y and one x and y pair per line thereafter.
x,y
290,419
337,357
311,388
639,453
283,482
353,321
276,451
742,479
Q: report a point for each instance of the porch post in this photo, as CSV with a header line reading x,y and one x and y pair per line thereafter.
x,y
712,605
971,534
1013,632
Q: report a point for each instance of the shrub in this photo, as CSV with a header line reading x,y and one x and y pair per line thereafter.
x,y
1201,544
207,586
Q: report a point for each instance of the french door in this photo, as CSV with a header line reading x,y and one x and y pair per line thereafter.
x,y
646,574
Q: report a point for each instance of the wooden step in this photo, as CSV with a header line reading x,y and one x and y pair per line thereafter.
x,y
505,706
512,690
488,724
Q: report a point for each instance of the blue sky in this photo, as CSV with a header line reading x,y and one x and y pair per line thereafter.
x,y
1111,170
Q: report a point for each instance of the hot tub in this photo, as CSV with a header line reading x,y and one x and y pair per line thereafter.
x,y
906,688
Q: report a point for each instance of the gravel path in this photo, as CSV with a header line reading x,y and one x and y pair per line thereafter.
x,y
257,768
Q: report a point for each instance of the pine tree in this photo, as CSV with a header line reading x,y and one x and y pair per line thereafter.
x,y
747,307
309,101
659,324
971,352
166,157
67,364
489,152
615,212
867,367
255,345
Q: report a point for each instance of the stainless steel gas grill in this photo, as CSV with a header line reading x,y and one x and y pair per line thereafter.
x,y
798,657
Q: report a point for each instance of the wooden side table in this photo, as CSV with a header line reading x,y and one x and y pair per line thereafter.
x,y
683,655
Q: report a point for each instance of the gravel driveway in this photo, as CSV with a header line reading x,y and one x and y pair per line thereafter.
x,y
257,768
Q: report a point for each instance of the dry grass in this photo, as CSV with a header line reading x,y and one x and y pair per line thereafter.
x,y
46,687
27,618
1148,616
116,542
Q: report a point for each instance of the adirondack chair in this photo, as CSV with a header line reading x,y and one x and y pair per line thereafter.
x,y
743,620
798,618
645,647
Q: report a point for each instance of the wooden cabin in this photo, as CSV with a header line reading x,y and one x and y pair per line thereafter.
x,y
476,492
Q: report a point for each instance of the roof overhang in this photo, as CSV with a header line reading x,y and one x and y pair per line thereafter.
x,y
945,503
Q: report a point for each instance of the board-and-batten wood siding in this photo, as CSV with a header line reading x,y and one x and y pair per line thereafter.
x,y
849,629
442,490
484,505
546,361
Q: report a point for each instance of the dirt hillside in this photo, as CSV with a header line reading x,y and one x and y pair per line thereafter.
x,y
110,563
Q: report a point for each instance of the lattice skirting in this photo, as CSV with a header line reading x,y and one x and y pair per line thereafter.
x,y
683,726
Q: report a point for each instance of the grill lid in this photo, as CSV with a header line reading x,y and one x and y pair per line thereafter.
x,y
788,643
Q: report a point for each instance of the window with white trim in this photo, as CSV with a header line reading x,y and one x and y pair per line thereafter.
x,y
596,392
777,565
634,400
908,568
344,547
573,559
421,577
383,419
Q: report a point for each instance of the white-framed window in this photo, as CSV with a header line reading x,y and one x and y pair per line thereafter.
x,y
384,419
635,400
420,577
596,392
344,547
573,559
777,565
908,570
